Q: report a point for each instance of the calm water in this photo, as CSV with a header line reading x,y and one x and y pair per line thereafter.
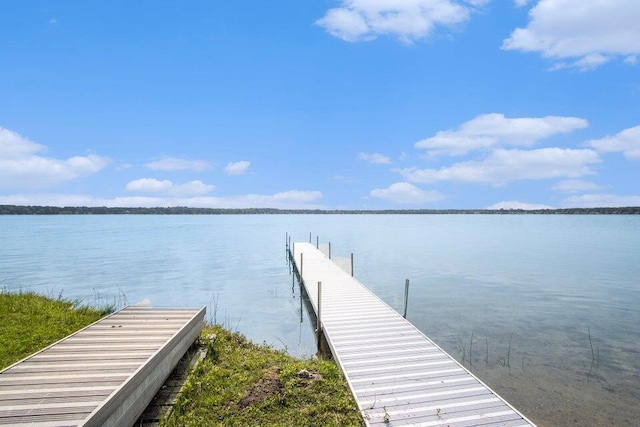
x,y
542,283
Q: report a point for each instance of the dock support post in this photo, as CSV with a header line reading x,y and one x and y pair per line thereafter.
x,y
351,264
406,298
319,322
286,239
289,242
309,237
329,250
301,264
317,242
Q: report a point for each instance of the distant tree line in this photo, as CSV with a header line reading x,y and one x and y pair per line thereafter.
x,y
183,210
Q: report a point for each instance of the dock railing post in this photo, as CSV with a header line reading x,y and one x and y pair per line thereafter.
x,y
286,240
329,250
301,264
317,242
406,297
319,322
351,264
309,237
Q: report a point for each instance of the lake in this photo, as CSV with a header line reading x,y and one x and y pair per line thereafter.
x,y
546,307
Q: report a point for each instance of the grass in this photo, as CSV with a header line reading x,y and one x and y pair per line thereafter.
x,y
29,322
245,384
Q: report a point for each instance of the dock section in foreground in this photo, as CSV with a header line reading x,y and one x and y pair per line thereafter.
x,y
103,375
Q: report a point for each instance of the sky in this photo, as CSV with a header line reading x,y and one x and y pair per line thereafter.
x,y
329,104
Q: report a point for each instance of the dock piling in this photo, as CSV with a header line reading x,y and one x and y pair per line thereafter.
x,y
317,242
329,250
351,264
319,322
406,297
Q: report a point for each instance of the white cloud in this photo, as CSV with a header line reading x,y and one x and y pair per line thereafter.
x,y
513,204
151,185
601,201
520,3
589,33
14,145
626,141
408,20
295,196
176,164
631,60
406,193
575,186
489,130
22,167
374,158
293,199
237,168
502,166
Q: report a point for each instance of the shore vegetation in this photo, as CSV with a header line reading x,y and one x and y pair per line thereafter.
x,y
240,383
30,322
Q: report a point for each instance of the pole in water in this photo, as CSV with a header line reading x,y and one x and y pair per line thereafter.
x,y
406,297
309,237
286,239
301,264
319,323
317,242
329,250
351,264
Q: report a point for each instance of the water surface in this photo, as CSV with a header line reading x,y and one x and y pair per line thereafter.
x,y
564,291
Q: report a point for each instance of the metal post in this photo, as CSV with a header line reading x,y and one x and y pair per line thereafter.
x,y
301,263
406,297
351,264
317,242
329,250
319,323
309,237
289,242
286,239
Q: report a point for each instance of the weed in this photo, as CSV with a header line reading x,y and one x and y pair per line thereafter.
x,y
509,352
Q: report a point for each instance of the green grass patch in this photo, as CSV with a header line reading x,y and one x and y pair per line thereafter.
x,y
244,384
29,322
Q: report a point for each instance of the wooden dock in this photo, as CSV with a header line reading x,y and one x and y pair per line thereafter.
x,y
103,375
397,375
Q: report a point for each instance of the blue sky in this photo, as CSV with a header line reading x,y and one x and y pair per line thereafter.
x,y
350,104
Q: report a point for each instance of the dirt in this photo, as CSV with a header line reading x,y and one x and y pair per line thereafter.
x,y
269,385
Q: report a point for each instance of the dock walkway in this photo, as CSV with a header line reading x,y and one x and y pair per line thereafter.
x,y
103,375
397,375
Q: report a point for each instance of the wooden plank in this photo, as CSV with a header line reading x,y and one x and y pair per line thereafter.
x,y
394,370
